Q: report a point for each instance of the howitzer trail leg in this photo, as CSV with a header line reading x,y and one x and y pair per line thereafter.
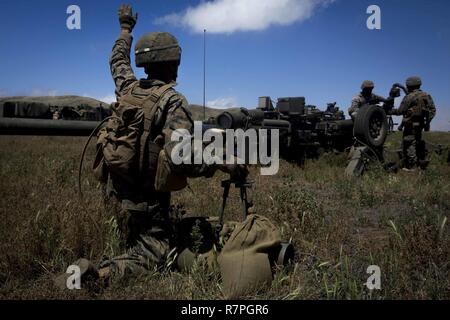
x,y
357,163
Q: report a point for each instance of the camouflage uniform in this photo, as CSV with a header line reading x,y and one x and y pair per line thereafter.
x,y
360,100
142,210
413,124
338,114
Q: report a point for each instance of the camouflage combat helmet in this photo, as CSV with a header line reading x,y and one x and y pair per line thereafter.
x,y
156,47
413,82
367,84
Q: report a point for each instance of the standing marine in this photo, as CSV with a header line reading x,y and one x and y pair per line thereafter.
x,y
366,96
418,110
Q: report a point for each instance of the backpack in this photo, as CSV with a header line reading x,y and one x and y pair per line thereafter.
x,y
245,260
420,109
125,148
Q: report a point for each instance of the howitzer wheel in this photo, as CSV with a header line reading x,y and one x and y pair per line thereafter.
x,y
371,126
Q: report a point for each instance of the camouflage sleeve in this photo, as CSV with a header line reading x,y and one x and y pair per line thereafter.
x,y
179,117
378,98
431,107
404,106
120,64
356,103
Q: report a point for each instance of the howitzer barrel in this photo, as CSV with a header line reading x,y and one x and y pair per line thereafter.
x,y
245,119
342,124
275,124
240,118
19,126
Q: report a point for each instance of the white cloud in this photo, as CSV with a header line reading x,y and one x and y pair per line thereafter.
x,y
108,98
228,16
223,103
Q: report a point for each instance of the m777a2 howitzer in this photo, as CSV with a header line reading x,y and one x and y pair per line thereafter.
x,y
306,132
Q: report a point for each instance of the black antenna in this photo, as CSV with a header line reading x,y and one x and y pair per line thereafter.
x,y
204,74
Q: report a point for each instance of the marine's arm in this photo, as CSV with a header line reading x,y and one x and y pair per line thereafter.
x,y
356,103
179,117
431,111
404,106
120,62
378,98
431,108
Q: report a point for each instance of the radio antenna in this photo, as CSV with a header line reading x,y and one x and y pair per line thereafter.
x,y
204,74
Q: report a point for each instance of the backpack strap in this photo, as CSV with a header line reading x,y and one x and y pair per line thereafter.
x,y
421,98
130,99
150,108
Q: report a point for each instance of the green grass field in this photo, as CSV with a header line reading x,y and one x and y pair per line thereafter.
x,y
339,226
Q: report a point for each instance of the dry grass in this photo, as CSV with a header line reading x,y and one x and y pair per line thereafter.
x,y
339,226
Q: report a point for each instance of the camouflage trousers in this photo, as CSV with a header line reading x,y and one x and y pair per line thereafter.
x,y
414,152
148,235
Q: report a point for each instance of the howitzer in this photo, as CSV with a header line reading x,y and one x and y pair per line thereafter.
x,y
304,130
245,119
40,127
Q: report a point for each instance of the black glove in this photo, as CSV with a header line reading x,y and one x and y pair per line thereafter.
x,y
126,18
395,92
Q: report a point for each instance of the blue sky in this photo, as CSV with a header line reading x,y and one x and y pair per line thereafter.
x,y
323,53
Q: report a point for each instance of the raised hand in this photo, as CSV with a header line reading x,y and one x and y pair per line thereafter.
x,y
126,18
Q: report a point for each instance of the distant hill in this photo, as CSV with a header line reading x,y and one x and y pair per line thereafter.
x,y
54,107
77,101
66,101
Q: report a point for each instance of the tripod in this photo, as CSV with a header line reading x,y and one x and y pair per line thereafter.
x,y
246,203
